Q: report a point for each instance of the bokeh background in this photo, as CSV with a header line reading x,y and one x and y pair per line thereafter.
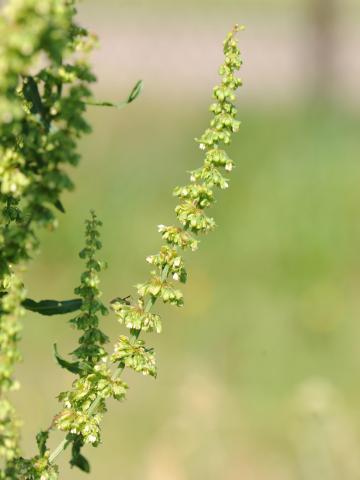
x,y
259,373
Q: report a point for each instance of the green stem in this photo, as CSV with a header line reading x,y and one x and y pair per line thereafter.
x,y
58,450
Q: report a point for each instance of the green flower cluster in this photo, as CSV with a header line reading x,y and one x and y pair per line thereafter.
x,y
37,468
91,342
9,430
194,199
13,293
169,257
95,378
79,417
159,287
135,317
178,237
11,310
85,404
133,353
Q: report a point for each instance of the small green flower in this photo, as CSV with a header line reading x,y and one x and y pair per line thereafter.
x,y
135,317
169,257
76,417
178,237
211,176
219,158
134,354
193,218
158,288
201,195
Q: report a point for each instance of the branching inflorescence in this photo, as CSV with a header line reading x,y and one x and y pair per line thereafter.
x,y
85,404
41,118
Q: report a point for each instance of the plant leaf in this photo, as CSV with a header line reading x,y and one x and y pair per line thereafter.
x,y
73,367
77,459
53,307
135,92
41,439
31,93
81,462
59,206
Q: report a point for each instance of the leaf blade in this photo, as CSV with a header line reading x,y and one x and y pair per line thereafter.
x,y
52,307
135,92
73,367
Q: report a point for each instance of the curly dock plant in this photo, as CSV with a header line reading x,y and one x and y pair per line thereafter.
x,y
44,93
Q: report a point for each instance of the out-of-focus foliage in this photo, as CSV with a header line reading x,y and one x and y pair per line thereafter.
x,y
224,4
44,80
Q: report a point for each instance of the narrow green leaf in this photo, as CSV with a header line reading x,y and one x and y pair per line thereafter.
x,y
80,462
73,367
135,92
41,439
53,307
31,93
59,206
77,459
104,103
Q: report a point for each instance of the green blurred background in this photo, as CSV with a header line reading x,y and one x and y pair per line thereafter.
x,y
259,373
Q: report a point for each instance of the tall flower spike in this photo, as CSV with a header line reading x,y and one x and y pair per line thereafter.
x,y
92,340
95,379
86,402
195,198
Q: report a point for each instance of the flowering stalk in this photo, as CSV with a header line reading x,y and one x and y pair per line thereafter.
x,y
94,376
90,350
44,91
83,419
194,199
